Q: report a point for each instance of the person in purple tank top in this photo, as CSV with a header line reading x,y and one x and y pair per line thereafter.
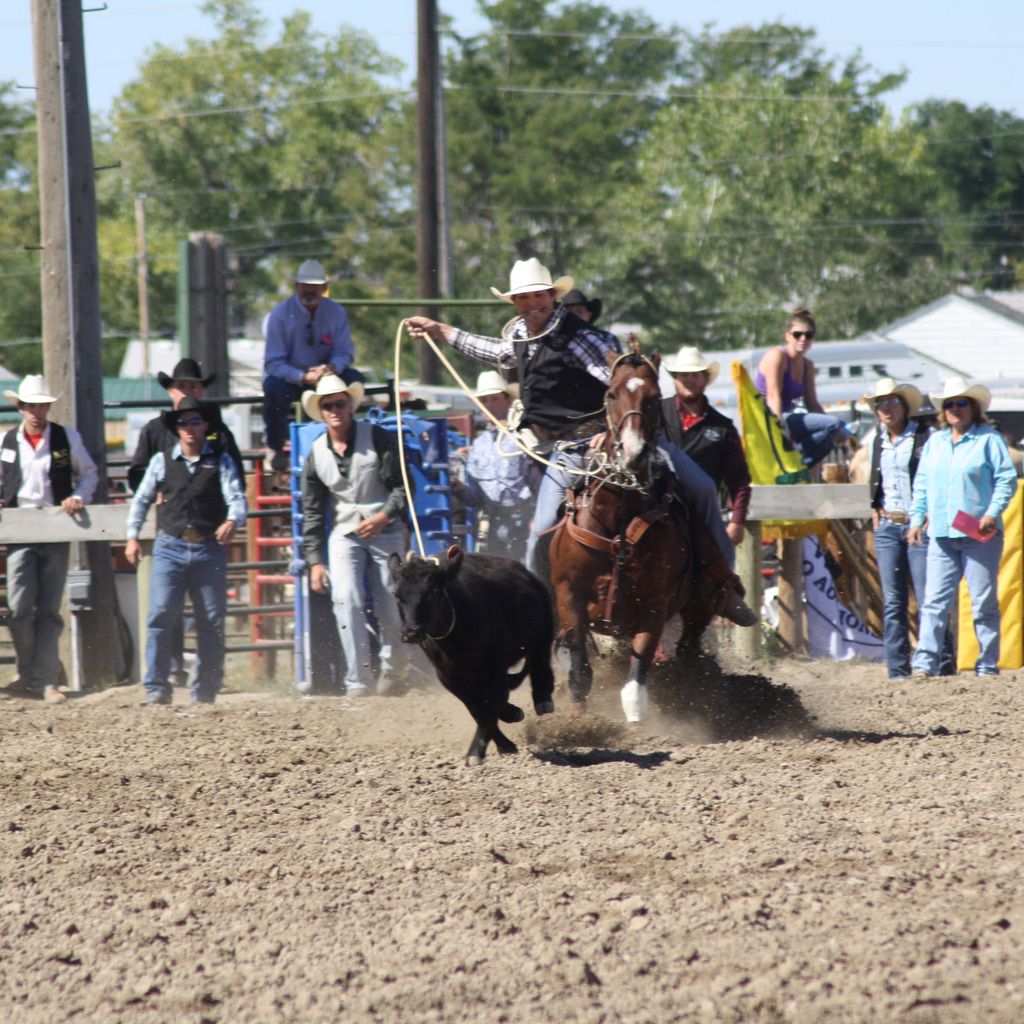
x,y
785,377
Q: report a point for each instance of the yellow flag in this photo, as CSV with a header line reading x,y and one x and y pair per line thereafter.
x,y
1011,598
770,457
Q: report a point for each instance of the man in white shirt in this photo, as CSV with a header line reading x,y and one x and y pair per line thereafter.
x,y
42,464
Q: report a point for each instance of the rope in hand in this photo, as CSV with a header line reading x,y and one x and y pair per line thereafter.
x,y
467,391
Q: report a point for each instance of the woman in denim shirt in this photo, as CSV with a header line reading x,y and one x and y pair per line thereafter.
x,y
965,467
894,460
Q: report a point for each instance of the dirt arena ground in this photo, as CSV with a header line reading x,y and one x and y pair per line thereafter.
x,y
273,858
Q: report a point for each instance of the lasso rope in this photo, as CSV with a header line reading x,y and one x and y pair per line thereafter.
x,y
498,424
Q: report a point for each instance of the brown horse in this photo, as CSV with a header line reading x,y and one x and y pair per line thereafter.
x,y
620,559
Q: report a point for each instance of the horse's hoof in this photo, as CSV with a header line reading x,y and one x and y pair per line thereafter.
x,y
474,761
544,707
577,708
634,701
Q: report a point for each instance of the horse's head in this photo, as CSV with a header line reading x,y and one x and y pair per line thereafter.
x,y
633,407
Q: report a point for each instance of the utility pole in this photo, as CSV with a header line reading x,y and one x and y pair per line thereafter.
x,y
203,306
143,277
428,250
72,346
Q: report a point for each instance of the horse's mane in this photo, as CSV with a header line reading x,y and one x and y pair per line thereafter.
x,y
635,359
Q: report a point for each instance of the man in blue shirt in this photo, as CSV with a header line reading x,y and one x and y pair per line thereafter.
x,y
307,336
203,505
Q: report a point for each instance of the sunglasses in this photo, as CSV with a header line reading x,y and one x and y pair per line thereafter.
x,y
891,400
956,403
190,423
800,335
333,405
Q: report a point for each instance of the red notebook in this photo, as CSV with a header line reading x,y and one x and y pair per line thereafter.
x,y
969,525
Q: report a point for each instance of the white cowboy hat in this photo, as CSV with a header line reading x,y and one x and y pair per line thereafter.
x,y
957,387
311,272
31,390
490,382
330,384
689,360
910,394
530,276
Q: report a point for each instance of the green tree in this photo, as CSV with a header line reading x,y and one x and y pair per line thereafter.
x,y
20,314
775,180
288,146
977,199
546,111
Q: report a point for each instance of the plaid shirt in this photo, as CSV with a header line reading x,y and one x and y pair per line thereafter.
x,y
585,349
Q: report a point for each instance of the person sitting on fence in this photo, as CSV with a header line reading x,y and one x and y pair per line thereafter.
x,y
42,465
496,484
203,505
352,475
785,377
964,468
307,336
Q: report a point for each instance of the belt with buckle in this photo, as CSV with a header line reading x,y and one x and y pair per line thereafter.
x,y
195,537
899,518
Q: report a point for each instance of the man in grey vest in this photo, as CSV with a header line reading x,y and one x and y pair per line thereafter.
x,y
353,474
42,464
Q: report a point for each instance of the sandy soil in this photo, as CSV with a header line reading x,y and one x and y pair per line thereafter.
x,y
273,858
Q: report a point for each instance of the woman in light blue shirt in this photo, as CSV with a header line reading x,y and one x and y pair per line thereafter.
x,y
965,467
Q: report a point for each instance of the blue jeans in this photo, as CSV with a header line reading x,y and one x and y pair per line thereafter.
x,y
949,559
901,565
698,488
813,433
36,574
200,571
278,398
350,561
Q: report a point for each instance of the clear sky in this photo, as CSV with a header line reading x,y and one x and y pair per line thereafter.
x,y
973,53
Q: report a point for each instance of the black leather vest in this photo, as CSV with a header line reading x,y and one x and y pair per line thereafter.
x,y
704,443
191,499
921,434
555,395
61,480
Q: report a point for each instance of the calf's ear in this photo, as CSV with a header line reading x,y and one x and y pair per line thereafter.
x,y
394,564
454,555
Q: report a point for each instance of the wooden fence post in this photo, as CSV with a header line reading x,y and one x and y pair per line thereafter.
x,y
748,568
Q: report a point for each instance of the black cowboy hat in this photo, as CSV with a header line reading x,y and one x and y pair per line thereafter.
x,y
187,369
188,404
577,298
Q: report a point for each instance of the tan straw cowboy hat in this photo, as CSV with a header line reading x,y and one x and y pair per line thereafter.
x,y
911,395
531,276
331,384
957,387
33,390
689,360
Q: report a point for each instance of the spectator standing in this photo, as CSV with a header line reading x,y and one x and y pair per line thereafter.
x,y
708,437
308,336
895,456
42,465
203,505
965,467
785,377
352,476
495,475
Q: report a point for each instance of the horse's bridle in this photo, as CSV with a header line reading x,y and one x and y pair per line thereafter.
x,y
616,428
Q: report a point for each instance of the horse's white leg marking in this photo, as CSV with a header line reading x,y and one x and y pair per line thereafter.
x,y
634,700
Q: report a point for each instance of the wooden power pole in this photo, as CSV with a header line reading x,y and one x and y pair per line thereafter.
x,y
72,345
428,250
